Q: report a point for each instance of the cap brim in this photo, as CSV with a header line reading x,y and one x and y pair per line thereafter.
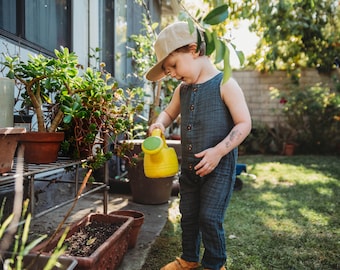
x,y
156,73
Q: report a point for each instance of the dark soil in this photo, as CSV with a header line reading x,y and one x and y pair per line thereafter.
x,y
88,238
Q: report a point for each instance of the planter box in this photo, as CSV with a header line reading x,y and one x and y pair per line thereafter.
x,y
109,255
8,144
39,262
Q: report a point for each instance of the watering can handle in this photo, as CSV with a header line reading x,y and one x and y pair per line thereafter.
x,y
157,132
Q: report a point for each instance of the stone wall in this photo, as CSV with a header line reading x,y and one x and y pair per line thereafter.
x,y
256,87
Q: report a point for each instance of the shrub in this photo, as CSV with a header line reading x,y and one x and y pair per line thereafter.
x,y
314,113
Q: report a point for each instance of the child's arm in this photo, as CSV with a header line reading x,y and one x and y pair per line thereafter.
x,y
233,97
170,113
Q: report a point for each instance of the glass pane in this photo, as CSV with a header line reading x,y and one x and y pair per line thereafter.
x,y
120,39
107,34
8,15
47,23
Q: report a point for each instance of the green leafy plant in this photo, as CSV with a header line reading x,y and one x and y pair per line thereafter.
x,y
314,113
86,104
40,79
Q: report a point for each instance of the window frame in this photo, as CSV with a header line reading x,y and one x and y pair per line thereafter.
x,y
19,37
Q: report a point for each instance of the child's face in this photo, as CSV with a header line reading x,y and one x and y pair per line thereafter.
x,y
181,65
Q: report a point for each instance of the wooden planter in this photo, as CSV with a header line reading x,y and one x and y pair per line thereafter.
x,y
41,147
109,255
8,144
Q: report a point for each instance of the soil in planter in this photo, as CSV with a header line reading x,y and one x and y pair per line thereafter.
x,y
88,238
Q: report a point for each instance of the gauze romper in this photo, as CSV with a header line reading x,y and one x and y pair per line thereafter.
x,y
205,121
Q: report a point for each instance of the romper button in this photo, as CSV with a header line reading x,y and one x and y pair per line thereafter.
x,y
189,147
190,167
192,107
189,127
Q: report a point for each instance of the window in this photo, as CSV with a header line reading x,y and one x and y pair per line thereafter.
x,y
113,37
8,16
44,24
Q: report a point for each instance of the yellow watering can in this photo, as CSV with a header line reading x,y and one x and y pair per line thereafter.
x,y
160,161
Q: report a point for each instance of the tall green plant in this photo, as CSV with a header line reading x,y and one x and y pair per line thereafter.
x,y
314,113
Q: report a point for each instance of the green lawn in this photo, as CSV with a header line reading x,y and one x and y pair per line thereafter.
x,y
287,216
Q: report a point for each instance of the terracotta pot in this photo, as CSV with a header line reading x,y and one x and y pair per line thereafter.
x,y
288,149
106,257
138,220
39,262
41,147
8,144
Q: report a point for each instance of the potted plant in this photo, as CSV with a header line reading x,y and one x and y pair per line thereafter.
x,y
41,79
81,106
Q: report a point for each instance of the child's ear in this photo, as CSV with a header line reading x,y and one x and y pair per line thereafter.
x,y
193,49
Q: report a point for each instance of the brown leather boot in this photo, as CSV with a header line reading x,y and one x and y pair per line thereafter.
x,y
180,264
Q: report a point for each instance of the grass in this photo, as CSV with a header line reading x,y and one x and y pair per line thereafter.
x,y
285,217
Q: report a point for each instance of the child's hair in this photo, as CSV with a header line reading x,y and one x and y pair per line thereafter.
x,y
186,49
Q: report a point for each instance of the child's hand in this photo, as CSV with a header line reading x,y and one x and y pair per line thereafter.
x,y
210,159
156,125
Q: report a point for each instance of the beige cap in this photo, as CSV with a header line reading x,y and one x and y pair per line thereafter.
x,y
169,39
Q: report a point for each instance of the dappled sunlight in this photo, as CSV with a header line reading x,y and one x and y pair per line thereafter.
x,y
281,225
314,217
328,192
174,215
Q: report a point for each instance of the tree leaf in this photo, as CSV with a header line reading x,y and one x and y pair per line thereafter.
x,y
217,15
241,57
209,42
191,25
219,49
199,40
227,67
91,241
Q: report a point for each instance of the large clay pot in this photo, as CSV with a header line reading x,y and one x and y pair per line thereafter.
x,y
109,255
41,147
8,143
138,220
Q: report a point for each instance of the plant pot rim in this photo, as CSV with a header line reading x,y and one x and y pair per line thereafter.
x,y
12,130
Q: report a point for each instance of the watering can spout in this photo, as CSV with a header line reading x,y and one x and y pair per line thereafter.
x,y
160,161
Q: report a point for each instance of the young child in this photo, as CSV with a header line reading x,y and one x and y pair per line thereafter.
x,y
214,121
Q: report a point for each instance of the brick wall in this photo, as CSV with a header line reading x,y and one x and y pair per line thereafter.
x,y
256,87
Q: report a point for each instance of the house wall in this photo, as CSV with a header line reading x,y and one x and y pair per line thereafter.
x,y
256,88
